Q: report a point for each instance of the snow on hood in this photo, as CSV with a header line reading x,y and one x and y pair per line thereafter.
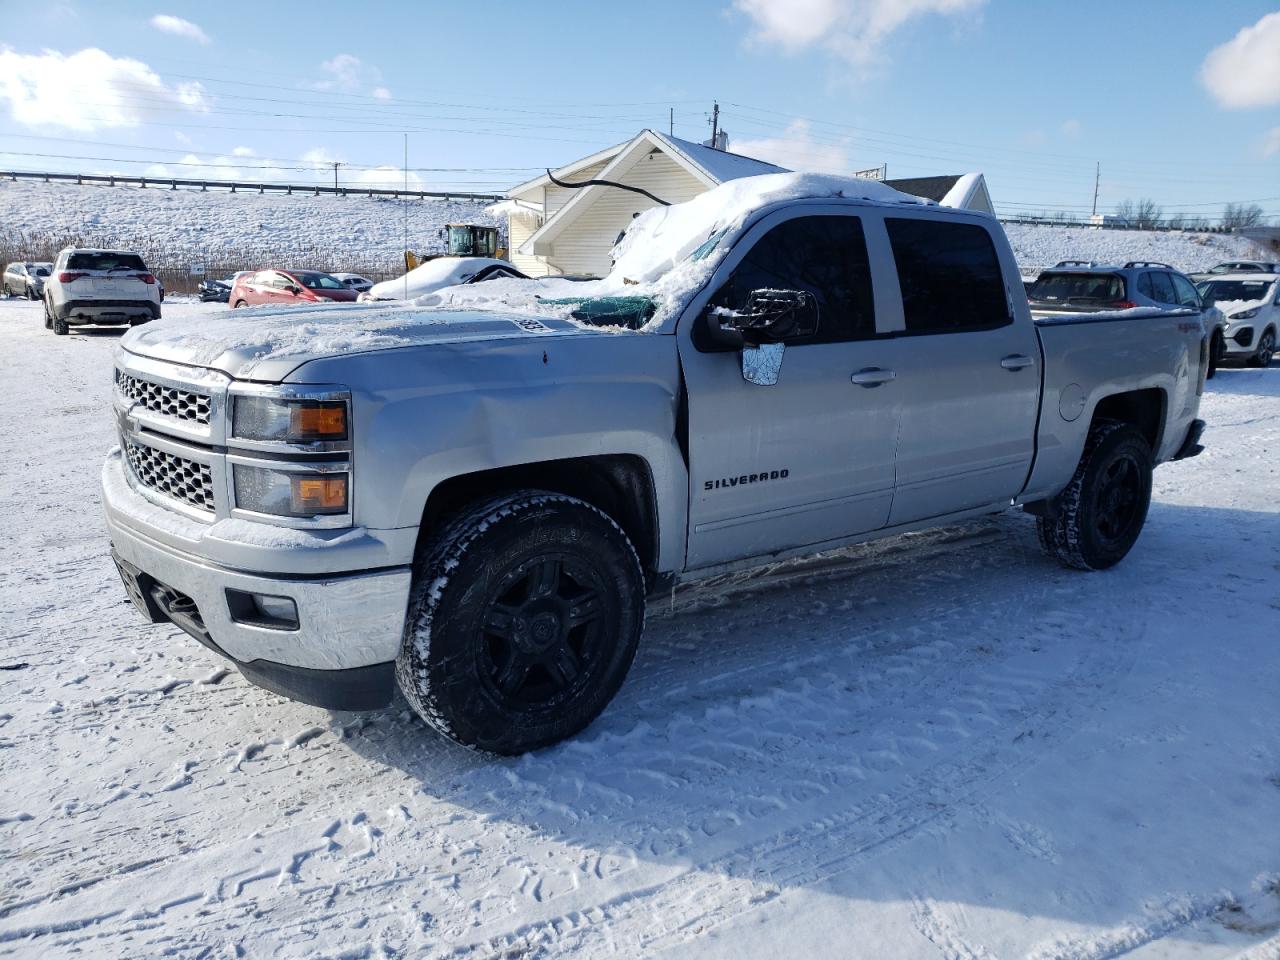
x,y
660,255
267,343
432,275
1229,307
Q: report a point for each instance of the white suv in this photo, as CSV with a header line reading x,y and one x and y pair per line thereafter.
x,y
99,287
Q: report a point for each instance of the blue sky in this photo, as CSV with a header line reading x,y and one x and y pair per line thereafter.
x,y
1031,93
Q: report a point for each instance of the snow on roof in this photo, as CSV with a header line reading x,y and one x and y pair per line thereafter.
x,y
668,253
432,275
720,165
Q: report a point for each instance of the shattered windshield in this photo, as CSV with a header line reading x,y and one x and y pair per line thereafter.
x,y
630,312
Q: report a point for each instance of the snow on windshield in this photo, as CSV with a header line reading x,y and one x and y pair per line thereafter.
x,y
668,253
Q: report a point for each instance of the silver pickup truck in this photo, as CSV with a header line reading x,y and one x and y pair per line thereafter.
x,y
471,500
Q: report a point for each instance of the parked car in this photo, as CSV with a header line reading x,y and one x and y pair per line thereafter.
x,y
353,281
219,291
441,272
1237,266
287,288
26,279
1079,286
477,501
99,287
1251,303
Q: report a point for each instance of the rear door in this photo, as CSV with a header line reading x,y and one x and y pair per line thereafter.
x,y
968,368
809,458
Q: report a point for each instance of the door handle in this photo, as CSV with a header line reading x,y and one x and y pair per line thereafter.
x,y
1016,361
873,377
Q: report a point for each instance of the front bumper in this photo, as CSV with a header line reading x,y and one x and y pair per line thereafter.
x,y
347,621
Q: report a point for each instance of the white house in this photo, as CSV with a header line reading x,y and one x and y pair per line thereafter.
x,y
555,230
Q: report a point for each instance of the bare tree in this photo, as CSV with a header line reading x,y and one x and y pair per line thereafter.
x,y
1147,214
1236,216
1125,211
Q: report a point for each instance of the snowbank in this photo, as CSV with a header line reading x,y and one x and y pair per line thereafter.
x,y
431,276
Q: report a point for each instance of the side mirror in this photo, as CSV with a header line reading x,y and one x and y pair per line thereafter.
x,y
293,290
771,316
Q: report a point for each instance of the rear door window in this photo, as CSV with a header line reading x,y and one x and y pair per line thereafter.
x,y
950,276
1162,288
1077,288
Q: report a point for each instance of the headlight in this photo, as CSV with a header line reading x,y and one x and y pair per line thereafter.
x,y
290,493
289,419
1245,314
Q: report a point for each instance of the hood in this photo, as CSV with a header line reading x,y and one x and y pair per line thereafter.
x,y
266,344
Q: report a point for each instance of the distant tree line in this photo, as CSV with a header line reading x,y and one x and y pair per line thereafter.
x,y
1146,214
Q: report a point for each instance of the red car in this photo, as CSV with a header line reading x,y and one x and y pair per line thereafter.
x,y
285,287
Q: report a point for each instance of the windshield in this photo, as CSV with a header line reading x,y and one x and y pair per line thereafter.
x,y
105,261
1078,287
1226,291
630,312
38,269
318,281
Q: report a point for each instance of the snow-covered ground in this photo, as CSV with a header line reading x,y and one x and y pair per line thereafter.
x,y
942,745
1041,245
190,226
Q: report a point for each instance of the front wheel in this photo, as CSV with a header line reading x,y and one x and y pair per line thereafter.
x,y
238,303
523,621
1266,350
1217,347
1097,518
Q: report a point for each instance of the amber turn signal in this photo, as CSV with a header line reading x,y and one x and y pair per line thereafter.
x,y
318,420
312,495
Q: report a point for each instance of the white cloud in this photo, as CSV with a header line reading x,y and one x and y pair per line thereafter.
x,y
349,74
242,152
1245,71
48,89
192,167
851,29
1071,128
386,178
796,150
167,23
1271,142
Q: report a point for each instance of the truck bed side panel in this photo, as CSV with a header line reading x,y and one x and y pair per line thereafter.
x,y
1089,358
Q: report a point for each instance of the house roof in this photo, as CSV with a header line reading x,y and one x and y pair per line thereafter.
x,y
708,165
569,169
927,188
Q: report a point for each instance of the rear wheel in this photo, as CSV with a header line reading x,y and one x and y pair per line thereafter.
x,y
1098,517
1266,349
238,303
523,621
60,327
48,316
1217,346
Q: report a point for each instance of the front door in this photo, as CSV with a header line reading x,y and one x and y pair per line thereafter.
x,y
810,458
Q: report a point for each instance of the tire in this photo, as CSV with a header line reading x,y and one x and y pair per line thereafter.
x,y
523,620
1266,349
1217,346
238,303
60,327
48,316
1102,511
7,291
31,294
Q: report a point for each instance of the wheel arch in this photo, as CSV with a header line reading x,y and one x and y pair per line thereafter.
x,y
1144,409
621,485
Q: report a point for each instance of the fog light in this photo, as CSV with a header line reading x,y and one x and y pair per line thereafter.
x,y
262,610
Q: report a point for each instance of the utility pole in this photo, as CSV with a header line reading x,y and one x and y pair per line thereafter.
x,y
671,122
715,124
1097,178
336,165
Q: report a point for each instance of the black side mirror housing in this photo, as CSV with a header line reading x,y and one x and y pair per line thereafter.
x,y
770,316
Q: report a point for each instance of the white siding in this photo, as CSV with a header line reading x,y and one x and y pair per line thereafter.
x,y
520,227
556,197
584,245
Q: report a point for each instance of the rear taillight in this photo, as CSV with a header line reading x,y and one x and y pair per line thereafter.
x,y
69,277
145,277
1123,305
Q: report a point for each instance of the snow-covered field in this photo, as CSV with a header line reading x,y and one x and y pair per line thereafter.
x,y
942,745
190,226
1040,245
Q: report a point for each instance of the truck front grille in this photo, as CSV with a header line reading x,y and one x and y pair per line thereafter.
x,y
177,477
166,401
